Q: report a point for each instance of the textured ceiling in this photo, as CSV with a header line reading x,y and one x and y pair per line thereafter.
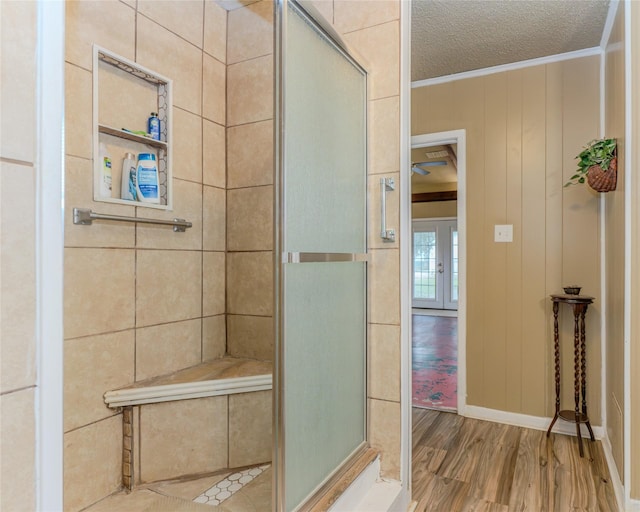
x,y
452,36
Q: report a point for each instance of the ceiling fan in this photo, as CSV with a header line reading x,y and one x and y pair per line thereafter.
x,y
419,167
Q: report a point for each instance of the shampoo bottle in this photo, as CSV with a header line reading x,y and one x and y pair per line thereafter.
x,y
128,188
153,126
105,171
147,183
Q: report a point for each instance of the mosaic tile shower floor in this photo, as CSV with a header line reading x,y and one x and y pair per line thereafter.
x,y
248,490
226,488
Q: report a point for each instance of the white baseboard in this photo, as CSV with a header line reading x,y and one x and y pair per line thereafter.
x,y
525,420
633,506
618,488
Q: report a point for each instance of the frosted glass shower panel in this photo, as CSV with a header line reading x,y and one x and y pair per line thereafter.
x,y
325,143
324,355
323,273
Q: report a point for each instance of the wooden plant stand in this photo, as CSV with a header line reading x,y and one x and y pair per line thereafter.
x,y
579,305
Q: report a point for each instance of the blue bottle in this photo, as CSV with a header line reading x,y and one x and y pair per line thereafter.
x,y
147,182
153,126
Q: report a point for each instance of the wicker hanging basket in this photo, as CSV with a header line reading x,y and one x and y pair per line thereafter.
x,y
601,180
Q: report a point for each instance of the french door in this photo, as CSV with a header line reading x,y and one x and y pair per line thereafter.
x,y
435,264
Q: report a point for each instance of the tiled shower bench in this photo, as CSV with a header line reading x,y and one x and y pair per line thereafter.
x,y
202,419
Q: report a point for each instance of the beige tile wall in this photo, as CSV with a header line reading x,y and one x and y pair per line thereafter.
x,y
205,435
372,30
250,181
141,301
157,278
165,450
17,256
250,419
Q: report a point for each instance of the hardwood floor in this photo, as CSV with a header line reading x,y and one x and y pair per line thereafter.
x,y
434,356
462,464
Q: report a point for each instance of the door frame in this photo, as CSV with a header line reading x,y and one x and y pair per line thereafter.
x,y
419,141
49,261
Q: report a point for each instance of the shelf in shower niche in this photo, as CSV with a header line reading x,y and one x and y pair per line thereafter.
x,y
132,136
124,94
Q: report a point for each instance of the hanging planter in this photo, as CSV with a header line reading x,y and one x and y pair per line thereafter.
x,y
598,166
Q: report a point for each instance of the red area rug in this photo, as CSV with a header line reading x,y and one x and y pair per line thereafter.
x,y
435,362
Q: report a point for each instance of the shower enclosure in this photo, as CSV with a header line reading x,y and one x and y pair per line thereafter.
x,y
169,347
320,262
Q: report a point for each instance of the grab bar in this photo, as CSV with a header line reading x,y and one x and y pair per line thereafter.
x,y
85,217
386,184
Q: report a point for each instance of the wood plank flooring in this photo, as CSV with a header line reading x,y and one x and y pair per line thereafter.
x,y
461,464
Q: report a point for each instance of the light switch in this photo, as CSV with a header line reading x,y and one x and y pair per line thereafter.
x,y
503,233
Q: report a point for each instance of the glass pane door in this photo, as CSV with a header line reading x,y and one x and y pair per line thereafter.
x,y
321,324
435,264
453,262
427,291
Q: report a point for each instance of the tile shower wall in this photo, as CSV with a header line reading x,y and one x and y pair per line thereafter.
x,y
250,181
120,319
141,301
17,249
372,30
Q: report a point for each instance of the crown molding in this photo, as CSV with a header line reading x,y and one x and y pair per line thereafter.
x,y
588,52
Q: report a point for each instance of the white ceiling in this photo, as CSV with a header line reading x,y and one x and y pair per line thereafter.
x,y
452,36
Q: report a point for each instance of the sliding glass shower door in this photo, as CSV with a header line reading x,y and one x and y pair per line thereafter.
x,y
321,275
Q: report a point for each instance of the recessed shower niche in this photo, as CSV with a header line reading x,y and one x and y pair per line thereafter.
x,y
124,95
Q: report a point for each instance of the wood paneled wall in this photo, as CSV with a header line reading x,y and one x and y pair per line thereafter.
x,y
524,128
614,249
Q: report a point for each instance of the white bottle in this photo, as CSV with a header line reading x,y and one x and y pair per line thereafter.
x,y
128,188
147,183
104,188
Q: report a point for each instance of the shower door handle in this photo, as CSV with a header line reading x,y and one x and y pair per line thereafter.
x,y
386,184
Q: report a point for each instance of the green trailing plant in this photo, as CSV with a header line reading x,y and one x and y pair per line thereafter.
x,y
597,152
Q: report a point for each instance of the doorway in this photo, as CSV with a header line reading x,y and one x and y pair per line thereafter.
x,y
437,271
434,343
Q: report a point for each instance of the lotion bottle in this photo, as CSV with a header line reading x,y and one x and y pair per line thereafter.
x,y
105,171
147,183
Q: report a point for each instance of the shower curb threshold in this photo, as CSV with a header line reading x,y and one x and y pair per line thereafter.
x,y
371,493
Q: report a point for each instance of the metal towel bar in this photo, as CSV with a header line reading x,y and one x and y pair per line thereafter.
x,y
86,217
